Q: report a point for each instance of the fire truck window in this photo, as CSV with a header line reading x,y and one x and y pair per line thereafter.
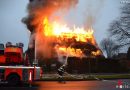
x,y
1,52
1,47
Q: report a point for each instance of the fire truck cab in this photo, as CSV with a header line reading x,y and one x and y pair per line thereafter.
x,y
14,67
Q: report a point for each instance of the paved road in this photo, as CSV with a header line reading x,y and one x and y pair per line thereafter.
x,y
71,85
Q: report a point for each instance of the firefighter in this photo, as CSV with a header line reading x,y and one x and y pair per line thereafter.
x,y
61,72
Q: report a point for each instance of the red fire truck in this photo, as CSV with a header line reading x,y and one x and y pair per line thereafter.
x,y
14,67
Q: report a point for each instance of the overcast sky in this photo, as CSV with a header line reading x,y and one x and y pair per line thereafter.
x,y
12,11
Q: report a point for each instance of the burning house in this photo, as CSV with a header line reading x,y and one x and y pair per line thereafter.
x,y
51,39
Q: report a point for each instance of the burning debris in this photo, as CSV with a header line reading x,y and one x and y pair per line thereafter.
x,y
75,42
51,39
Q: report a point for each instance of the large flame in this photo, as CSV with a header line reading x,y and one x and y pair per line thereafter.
x,y
65,37
58,30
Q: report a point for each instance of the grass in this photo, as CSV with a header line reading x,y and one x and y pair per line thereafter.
x,y
116,76
86,77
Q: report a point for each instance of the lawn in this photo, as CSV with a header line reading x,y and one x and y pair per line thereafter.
x,y
83,77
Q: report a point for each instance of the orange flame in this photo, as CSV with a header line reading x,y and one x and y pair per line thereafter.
x,y
64,33
58,30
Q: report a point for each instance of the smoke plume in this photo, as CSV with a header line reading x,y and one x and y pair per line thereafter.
x,y
37,11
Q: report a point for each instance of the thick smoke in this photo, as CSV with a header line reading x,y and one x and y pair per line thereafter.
x,y
37,11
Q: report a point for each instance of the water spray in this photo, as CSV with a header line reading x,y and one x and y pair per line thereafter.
x,y
35,62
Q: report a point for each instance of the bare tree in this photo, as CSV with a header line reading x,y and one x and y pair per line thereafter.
x,y
120,28
109,47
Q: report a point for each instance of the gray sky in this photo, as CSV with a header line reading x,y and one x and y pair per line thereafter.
x,y
12,11
11,27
